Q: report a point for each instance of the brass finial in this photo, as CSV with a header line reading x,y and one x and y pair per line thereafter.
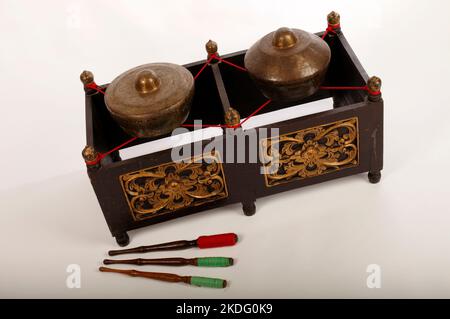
x,y
284,38
89,153
146,81
232,117
374,84
211,48
86,77
333,18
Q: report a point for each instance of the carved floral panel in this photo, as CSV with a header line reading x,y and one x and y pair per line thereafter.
x,y
311,152
169,187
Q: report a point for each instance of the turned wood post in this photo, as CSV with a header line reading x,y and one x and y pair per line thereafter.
x,y
375,100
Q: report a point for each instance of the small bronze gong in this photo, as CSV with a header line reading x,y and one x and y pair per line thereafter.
x,y
288,64
151,99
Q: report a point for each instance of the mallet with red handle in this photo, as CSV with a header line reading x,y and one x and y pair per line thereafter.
x,y
211,241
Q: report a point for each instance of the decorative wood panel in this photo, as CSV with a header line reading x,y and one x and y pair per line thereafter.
x,y
311,152
170,187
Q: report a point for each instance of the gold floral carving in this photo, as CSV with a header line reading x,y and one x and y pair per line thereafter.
x,y
311,152
166,188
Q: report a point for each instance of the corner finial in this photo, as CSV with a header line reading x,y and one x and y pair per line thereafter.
x,y
89,154
211,48
333,18
374,84
374,87
86,77
232,117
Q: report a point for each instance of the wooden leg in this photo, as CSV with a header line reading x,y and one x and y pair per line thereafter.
x,y
249,208
122,239
374,177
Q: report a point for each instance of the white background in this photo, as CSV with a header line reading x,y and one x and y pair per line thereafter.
x,y
310,242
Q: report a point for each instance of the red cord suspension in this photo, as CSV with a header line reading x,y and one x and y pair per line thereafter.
x,y
214,56
230,126
229,63
330,29
204,66
255,112
95,87
101,156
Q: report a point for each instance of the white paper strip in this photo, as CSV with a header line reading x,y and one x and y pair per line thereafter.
x,y
289,113
207,133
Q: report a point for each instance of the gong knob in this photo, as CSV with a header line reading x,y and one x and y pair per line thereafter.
x,y
284,38
146,81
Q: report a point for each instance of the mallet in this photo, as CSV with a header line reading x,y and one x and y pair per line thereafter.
x,y
211,241
191,280
176,261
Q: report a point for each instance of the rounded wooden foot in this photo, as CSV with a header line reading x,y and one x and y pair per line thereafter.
x,y
122,239
249,208
374,177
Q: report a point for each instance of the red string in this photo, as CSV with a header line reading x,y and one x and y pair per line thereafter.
x,y
352,88
330,29
232,64
231,126
94,86
204,66
213,56
101,156
256,111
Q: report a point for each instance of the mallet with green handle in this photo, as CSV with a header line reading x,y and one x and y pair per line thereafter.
x,y
191,280
200,262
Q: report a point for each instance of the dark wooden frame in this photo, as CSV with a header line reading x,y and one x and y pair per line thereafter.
x,y
245,183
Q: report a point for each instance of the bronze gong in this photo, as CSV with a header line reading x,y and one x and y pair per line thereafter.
x,y
288,64
152,99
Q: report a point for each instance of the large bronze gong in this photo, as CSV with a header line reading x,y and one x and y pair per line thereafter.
x,y
288,64
152,99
